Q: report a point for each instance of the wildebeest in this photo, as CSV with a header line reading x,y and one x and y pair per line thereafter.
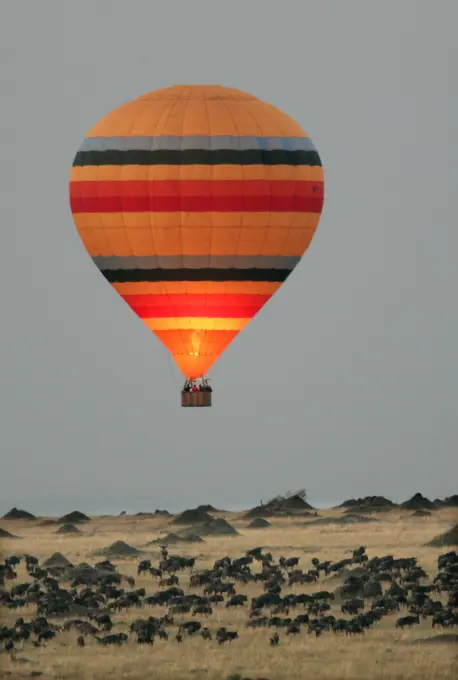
x,y
408,621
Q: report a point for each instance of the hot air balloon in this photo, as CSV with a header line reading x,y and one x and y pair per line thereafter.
x,y
196,202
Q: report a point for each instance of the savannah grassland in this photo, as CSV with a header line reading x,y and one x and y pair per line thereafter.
x,y
383,652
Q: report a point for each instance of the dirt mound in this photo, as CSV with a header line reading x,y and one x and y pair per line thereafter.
x,y
421,513
207,508
173,539
368,503
6,534
68,529
418,502
449,537
120,549
194,516
259,523
350,518
449,502
162,513
75,517
16,513
47,523
216,527
258,511
57,560
284,504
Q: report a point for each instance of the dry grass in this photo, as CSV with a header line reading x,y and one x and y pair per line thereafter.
x,y
382,653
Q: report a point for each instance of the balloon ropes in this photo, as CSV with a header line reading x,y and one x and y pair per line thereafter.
x,y
196,202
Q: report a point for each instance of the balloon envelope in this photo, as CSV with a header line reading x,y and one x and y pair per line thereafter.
x,y
196,203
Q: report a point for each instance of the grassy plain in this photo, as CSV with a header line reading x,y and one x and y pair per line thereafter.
x,y
381,653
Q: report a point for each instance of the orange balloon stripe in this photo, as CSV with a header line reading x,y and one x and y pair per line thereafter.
x,y
219,220
196,323
197,241
197,287
91,173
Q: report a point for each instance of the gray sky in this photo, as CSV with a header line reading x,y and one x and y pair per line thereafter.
x,y
347,382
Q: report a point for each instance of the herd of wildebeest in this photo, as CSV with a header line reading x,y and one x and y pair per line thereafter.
x,y
86,598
